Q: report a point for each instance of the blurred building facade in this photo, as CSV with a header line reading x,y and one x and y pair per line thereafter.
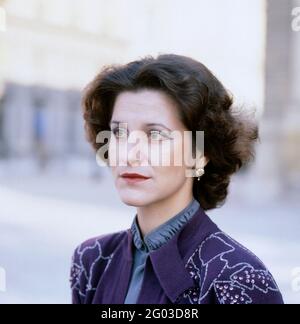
x,y
279,154
51,49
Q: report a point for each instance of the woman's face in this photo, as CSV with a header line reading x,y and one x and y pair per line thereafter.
x,y
141,126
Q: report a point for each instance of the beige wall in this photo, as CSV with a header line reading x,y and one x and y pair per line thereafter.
x,y
63,43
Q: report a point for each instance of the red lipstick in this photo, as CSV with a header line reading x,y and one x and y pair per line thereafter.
x,y
134,177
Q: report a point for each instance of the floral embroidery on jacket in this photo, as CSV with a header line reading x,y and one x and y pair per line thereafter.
x,y
81,272
239,276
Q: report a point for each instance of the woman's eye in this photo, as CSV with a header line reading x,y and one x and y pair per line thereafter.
x,y
120,133
157,135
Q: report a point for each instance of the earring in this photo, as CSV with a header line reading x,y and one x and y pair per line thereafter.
x,y
199,172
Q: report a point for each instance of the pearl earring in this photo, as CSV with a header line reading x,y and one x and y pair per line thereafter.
x,y
199,172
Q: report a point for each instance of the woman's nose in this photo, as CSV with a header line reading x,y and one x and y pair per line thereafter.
x,y
137,148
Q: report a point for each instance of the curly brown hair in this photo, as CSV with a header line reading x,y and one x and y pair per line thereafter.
x,y
204,104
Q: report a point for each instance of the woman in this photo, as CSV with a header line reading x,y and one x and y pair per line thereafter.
x,y
173,252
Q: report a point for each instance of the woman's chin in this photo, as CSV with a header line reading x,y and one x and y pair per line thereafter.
x,y
134,201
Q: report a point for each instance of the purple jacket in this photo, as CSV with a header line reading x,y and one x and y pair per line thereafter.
x,y
199,265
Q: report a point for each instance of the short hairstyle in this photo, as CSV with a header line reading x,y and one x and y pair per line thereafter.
x,y
204,105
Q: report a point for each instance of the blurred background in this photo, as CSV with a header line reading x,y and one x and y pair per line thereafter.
x,y
53,195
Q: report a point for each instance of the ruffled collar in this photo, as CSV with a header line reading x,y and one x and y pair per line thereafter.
x,y
162,234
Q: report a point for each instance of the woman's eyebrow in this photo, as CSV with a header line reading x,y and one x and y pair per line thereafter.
x,y
158,124
147,124
115,122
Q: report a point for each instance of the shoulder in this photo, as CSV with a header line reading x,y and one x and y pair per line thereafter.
x,y
89,261
227,272
94,247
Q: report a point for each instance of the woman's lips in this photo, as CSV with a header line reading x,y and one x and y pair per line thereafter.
x,y
132,178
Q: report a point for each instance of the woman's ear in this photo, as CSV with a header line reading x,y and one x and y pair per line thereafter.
x,y
206,160
201,162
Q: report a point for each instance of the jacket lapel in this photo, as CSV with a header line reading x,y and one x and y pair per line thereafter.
x,y
169,261
113,285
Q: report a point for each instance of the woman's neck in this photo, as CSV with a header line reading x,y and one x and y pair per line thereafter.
x,y
156,214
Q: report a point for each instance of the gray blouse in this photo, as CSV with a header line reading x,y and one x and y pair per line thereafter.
x,y
152,241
